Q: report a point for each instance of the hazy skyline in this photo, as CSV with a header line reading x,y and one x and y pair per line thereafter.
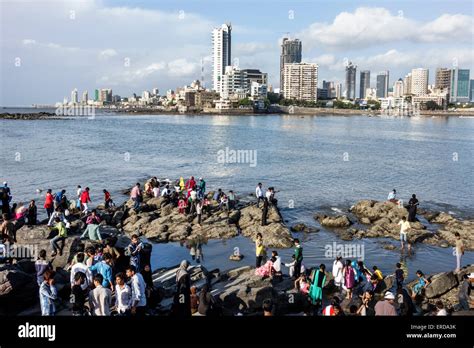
x,y
87,44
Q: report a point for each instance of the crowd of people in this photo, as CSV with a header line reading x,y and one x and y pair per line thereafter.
x,y
104,281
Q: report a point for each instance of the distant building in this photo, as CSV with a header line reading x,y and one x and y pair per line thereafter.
x,y
419,81
364,83
96,95
382,84
407,84
74,96
471,90
255,75
300,81
85,97
290,53
105,95
258,90
398,89
350,86
221,54
338,90
205,99
156,92
459,88
330,86
443,78
323,93
234,81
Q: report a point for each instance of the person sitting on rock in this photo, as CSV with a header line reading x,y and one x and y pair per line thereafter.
x,y
302,284
62,235
392,196
276,266
265,270
377,273
420,285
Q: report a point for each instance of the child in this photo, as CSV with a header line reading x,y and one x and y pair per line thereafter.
x,y
422,283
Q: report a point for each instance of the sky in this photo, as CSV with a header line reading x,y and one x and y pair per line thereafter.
x,y
48,48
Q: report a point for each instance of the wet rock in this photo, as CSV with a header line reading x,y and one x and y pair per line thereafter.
x,y
300,227
333,221
442,218
440,284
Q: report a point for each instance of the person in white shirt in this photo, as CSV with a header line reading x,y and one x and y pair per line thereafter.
x,y
337,273
156,191
440,310
79,266
123,295
78,196
392,196
165,191
291,267
259,193
276,264
100,298
404,228
137,284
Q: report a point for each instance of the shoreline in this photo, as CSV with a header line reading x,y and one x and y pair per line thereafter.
x,y
297,112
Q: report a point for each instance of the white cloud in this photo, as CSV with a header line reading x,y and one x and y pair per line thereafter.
x,y
27,42
107,53
367,27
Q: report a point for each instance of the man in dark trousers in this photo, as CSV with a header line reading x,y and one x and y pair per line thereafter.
x,y
265,211
298,257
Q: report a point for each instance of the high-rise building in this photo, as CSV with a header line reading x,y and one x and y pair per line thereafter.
x,y
105,95
471,90
300,81
398,88
96,95
74,96
382,84
234,81
459,88
407,84
443,78
255,75
330,86
419,81
364,83
156,92
221,54
351,71
290,53
338,90
85,97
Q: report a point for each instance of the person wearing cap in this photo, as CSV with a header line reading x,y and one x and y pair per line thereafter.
x,y
386,306
466,293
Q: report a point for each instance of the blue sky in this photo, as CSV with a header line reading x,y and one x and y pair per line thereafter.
x,y
58,46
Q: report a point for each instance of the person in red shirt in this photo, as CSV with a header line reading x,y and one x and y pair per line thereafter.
x,y
108,202
85,199
49,203
191,184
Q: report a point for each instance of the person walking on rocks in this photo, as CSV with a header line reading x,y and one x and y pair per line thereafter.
x,y
458,251
404,228
298,257
136,196
85,200
259,250
412,206
108,202
49,203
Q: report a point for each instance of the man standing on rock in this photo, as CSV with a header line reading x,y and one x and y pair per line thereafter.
x,y
298,257
265,211
136,196
85,199
404,228
201,188
459,251
259,193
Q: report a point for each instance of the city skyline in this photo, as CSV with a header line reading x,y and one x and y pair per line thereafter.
x,y
52,64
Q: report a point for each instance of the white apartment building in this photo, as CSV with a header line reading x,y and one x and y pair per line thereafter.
x,y
419,81
300,81
221,54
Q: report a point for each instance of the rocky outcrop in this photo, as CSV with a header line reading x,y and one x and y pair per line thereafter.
x,y
440,284
338,221
383,219
161,222
300,227
18,289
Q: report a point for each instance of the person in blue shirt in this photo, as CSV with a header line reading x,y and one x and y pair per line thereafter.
x,y
58,198
48,293
134,251
104,268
